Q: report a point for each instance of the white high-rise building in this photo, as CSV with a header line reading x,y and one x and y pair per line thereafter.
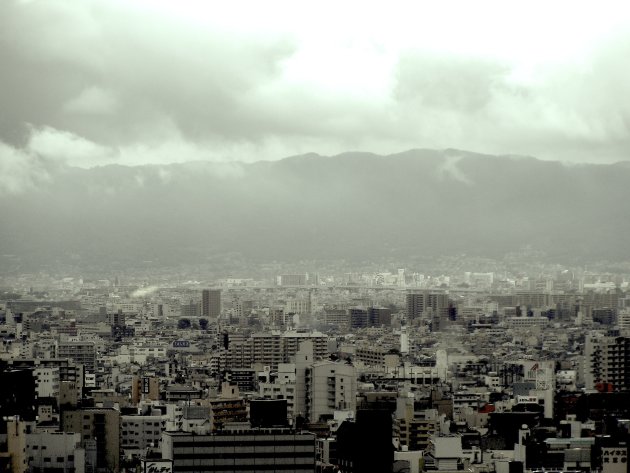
x,y
401,278
607,361
623,321
318,389
404,340
332,386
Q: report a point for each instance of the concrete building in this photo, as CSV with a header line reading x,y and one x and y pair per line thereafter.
x,y
55,452
211,303
445,453
414,427
13,457
83,353
330,386
228,407
293,280
420,302
298,306
282,387
46,381
271,349
337,317
241,450
623,321
145,387
358,317
100,425
365,445
139,432
606,361
378,316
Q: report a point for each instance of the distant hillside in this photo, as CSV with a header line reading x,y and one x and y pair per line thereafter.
x,y
353,206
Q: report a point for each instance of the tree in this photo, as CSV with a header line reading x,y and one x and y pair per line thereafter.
x,y
183,323
203,324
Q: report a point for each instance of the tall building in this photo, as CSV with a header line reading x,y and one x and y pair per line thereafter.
x,y
13,457
83,353
420,302
366,444
414,427
54,452
190,310
228,407
322,387
139,432
293,280
211,303
358,317
268,413
378,316
99,425
607,362
330,386
623,321
270,349
17,396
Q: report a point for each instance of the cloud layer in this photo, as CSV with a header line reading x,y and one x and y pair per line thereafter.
x,y
94,82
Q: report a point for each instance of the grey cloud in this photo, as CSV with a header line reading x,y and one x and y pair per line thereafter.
x,y
21,170
451,83
97,81
570,112
84,67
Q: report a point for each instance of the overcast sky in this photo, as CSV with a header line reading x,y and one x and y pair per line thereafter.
x,y
91,82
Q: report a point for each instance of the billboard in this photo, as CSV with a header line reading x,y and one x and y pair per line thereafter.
x,y
540,372
157,466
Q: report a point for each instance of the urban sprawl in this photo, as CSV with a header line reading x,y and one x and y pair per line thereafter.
x,y
390,371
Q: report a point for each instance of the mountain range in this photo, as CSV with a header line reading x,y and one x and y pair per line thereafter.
x,y
352,206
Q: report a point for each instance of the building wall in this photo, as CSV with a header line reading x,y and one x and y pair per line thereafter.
x,y
46,381
332,387
420,302
607,360
248,450
52,451
101,425
137,433
83,353
211,303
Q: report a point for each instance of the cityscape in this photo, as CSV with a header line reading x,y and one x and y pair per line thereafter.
x,y
328,237
391,371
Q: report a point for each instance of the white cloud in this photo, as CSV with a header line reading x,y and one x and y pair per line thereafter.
x,y
92,100
20,171
144,291
68,148
449,168
156,81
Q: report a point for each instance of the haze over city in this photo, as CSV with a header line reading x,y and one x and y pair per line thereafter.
x,y
338,237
